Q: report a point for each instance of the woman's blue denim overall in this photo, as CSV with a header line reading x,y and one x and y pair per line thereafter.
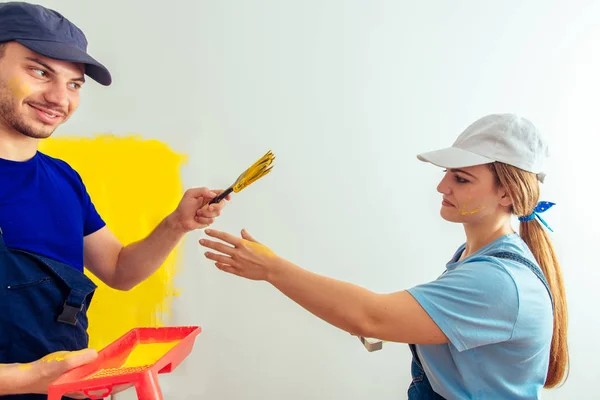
x,y
43,308
420,388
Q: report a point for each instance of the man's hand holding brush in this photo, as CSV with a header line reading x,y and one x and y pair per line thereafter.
x,y
195,212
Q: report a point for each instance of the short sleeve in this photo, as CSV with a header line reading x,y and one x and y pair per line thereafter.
x,y
474,305
92,220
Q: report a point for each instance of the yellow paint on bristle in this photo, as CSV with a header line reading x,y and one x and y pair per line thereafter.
x,y
256,171
134,184
147,354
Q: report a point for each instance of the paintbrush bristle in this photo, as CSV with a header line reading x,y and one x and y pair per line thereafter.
x,y
259,169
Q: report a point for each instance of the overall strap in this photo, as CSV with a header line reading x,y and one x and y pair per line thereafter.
x,y
80,287
72,306
534,268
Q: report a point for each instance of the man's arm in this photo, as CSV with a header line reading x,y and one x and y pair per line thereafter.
x,y
13,379
35,377
123,267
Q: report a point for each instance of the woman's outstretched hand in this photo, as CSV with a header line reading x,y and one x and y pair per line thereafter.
x,y
242,256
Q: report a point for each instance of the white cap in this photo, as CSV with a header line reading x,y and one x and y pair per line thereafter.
x,y
505,138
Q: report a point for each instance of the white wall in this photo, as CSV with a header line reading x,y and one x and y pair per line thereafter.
x,y
345,93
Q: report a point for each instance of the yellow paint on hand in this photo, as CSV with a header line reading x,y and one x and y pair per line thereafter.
x,y
18,88
134,184
57,356
260,248
147,353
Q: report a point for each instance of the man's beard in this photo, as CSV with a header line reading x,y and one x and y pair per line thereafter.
x,y
10,116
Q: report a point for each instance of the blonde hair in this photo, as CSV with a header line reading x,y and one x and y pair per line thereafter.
x,y
524,191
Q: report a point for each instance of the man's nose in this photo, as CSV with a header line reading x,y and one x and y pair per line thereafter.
x,y
57,96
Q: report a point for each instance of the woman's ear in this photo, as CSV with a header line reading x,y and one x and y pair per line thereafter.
x,y
505,200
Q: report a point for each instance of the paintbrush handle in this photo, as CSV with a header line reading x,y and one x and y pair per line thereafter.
x,y
221,196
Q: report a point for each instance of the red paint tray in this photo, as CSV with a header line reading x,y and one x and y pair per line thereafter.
x,y
133,360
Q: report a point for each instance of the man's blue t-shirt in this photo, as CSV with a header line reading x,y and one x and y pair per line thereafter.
x,y
498,317
45,208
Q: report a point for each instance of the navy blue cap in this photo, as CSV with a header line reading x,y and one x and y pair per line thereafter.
x,y
48,33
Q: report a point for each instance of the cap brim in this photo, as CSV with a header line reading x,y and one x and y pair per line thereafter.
x,y
65,52
453,157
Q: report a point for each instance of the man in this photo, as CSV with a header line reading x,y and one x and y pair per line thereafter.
x,y
49,227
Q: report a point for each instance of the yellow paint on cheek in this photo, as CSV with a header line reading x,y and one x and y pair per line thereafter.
x,y
464,211
134,184
260,248
18,88
147,354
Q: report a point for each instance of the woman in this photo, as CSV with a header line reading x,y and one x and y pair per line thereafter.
x,y
494,324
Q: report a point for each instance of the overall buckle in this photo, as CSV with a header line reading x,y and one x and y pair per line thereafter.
x,y
69,314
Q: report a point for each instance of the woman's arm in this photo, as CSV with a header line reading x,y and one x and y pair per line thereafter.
x,y
396,317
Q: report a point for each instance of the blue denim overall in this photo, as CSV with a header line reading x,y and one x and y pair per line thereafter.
x,y
420,388
43,308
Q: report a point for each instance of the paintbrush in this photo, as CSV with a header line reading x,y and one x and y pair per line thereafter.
x,y
256,171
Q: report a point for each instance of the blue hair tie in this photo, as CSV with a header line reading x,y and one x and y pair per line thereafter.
x,y
540,208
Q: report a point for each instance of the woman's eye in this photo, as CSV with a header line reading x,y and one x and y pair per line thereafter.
x,y
458,178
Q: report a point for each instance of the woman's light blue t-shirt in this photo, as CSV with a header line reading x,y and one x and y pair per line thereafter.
x,y
498,317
